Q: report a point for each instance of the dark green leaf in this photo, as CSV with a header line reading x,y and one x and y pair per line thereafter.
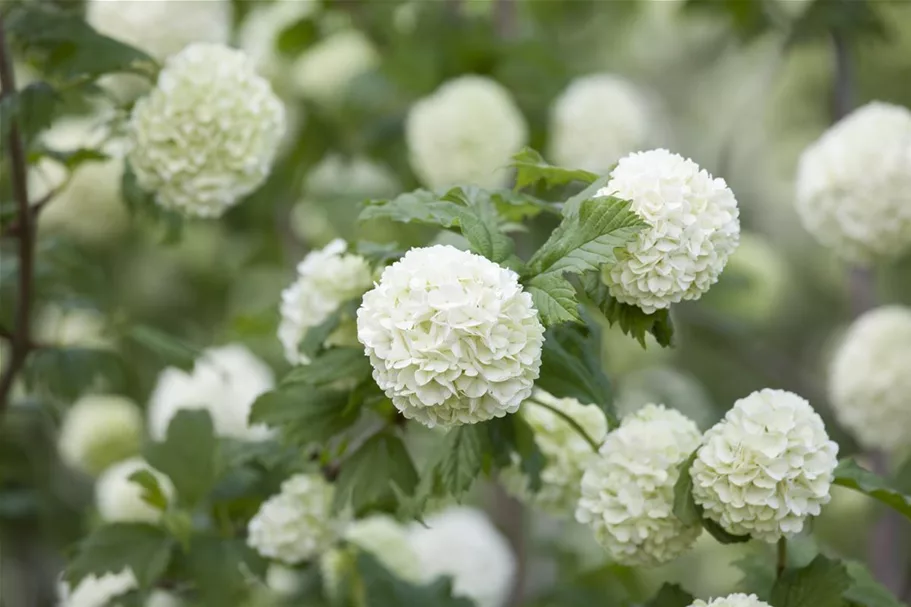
x,y
383,589
68,372
819,584
554,298
685,507
152,493
865,591
671,595
722,536
315,338
457,465
215,565
849,19
297,37
512,436
330,366
758,575
571,366
531,168
516,206
574,203
304,414
141,203
189,455
145,549
32,108
379,254
367,477
849,474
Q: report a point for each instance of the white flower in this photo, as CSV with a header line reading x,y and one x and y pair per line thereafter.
x,y
452,337
207,134
854,184
692,228
465,132
628,491
161,27
326,70
325,280
733,600
71,328
119,499
160,598
97,591
357,177
297,524
260,31
766,467
99,430
225,381
870,378
567,452
463,544
283,580
596,120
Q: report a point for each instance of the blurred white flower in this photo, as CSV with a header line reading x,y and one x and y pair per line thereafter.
x,y
598,119
297,524
463,544
325,280
628,490
733,600
261,29
870,378
324,71
465,132
854,184
692,228
567,452
659,384
357,177
97,591
207,134
119,500
283,580
161,27
225,381
452,337
160,598
98,430
71,328
766,467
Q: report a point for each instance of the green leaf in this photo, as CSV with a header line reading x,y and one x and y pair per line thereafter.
x,y
189,455
33,109
819,584
315,338
849,474
146,549
331,366
671,595
383,589
572,206
685,507
512,436
304,414
457,464
71,159
849,19
67,47
152,493
531,168
172,350
720,535
216,566
554,298
368,476
866,591
758,575
68,372
571,366
142,203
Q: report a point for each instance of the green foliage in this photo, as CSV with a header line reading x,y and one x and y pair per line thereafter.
x,y
849,19
671,595
531,168
758,575
152,493
849,474
215,563
457,464
145,549
331,366
371,475
304,414
688,511
32,109
554,298
171,350
820,584
315,338
866,591
141,203
510,437
68,372
386,590
189,455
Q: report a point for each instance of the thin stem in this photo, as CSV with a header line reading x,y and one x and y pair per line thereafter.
x,y
569,420
782,562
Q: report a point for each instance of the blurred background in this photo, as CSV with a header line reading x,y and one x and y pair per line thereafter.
x,y
740,86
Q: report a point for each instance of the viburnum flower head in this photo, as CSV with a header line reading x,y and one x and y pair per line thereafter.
x,y
118,499
733,600
567,453
207,134
869,379
97,590
854,184
693,227
766,467
261,28
465,132
628,490
98,430
596,120
325,71
297,524
452,337
225,381
325,280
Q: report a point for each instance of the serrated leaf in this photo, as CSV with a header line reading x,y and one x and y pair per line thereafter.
x,y
189,455
330,366
512,436
849,474
457,465
152,493
554,298
304,414
383,589
574,203
865,591
671,595
368,476
32,108
571,366
146,549
531,168
819,584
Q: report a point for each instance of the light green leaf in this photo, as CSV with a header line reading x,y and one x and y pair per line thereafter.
x,y
571,366
330,366
386,590
189,455
172,350
71,159
554,298
304,414
531,168
368,477
671,595
866,591
758,575
685,507
571,207
849,474
146,549
457,465
152,493
819,584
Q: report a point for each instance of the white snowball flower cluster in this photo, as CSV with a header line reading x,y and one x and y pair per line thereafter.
x,y
597,120
298,523
869,379
97,591
98,430
693,227
118,499
160,27
766,467
327,69
854,184
225,381
207,134
325,280
452,337
260,31
463,544
628,491
567,452
465,132
733,600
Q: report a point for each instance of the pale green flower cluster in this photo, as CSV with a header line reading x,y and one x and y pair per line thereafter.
x,y
325,71
98,430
